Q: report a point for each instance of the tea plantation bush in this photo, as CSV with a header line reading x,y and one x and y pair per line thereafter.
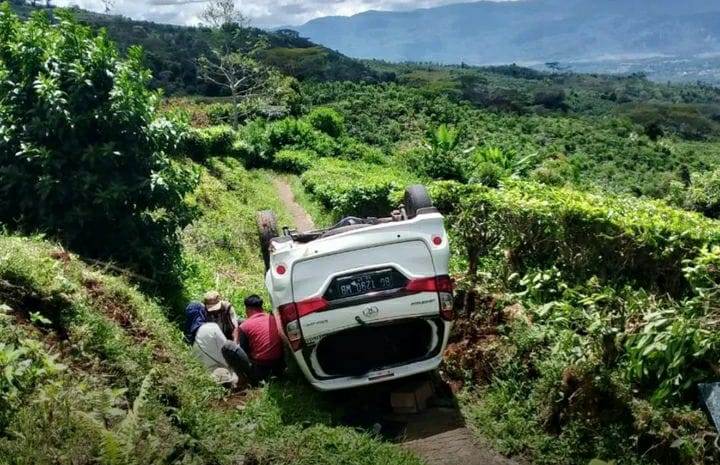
x,y
614,323
84,155
703,193
212,141
294,161
260,140
327,120
607,152
615,238
320,134
355,188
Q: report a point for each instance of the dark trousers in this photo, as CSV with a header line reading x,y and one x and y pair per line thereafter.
x,y
238,359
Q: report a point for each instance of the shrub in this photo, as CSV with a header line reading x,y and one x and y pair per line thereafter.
x,y
289,132
556,171
440,158
620,239
354,150
219,140
263,140
703,194
253,145
488,174
353,188
618,308
328,121
200,144
85,155
219,113
294,161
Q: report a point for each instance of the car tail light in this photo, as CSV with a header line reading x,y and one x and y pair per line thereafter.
x,y
290,324
447,308
422,285
292,312
315,304
443,286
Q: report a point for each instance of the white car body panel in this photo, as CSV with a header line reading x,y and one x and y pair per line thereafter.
x,y
407,246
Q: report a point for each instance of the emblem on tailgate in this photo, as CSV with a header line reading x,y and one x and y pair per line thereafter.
x,y
371,312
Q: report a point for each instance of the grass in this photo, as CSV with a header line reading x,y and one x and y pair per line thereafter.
x,y
95,373
221,247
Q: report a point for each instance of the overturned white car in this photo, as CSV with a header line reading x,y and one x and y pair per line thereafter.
x,y
365,301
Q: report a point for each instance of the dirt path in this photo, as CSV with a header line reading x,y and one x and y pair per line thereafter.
x,y
438,435
303,221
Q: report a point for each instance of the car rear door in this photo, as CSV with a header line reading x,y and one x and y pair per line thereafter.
x,y
363,286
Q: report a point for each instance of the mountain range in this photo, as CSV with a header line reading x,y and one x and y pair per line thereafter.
x,y
526,31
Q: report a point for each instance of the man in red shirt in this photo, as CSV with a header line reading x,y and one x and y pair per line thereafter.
x,y
260,352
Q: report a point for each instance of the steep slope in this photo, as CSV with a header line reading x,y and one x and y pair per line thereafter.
x,y
525,31
94,373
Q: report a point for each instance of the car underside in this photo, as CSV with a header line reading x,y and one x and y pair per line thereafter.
x,y
366,300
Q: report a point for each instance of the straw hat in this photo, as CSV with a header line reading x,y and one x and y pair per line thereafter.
x,y
225,377
212,301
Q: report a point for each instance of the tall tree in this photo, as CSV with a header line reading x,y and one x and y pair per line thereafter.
x,y
233,64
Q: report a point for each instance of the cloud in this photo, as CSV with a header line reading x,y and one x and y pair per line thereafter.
x,y
263,13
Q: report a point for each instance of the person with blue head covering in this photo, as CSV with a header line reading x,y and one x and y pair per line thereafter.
x,y
211,346
195,317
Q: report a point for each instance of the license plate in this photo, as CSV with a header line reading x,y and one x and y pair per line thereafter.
x,y
365,283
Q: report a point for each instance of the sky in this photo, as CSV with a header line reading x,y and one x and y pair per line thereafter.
x,y
262,13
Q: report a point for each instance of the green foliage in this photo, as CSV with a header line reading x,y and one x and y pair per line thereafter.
x,y
328,121
353,150
616,238
703,194
674,348
493,165
206,142
355,188
593,146
220,248
294,161
83,148
441,157
617,322
556,171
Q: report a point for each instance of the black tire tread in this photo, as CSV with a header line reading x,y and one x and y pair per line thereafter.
x,y
267,229
416,197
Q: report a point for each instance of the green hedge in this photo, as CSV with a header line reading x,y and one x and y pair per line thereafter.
x,y
355,188
200,144
615,238
294,161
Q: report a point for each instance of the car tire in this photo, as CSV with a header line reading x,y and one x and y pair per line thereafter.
x,y
267,228
416,198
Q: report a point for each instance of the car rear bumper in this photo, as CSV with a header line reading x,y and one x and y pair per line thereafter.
x,y
372,377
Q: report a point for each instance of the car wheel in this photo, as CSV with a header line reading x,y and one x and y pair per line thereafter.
x,y
416,197
267,228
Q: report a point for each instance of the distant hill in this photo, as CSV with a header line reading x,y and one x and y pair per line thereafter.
x,y
172,51
526,31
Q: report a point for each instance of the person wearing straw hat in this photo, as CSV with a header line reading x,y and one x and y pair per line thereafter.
x,y
223,314
210,346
